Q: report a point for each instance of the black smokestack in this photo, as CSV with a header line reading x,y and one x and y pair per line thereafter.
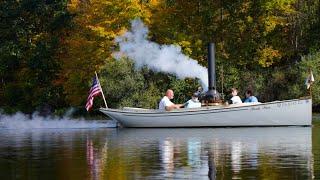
x,y
211,66
212,95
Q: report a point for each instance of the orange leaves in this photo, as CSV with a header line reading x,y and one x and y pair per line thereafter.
x,y
266,56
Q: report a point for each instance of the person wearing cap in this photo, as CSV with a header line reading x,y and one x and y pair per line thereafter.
x,y
235,98
193,102
166,104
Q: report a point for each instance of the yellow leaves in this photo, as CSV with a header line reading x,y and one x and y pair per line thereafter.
x,y
73,5
36,38
242,26
245,6
266,56
286,6
277,14
122,31
185,45
90,42
270,23
249,19
220,47
155,3
102,32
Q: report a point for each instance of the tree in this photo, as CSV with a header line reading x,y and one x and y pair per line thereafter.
x,y
29,36
90,42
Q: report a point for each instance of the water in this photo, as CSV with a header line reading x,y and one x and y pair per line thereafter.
x,y
92,150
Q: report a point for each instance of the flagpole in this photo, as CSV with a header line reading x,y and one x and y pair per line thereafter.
x,y
310,89
104,99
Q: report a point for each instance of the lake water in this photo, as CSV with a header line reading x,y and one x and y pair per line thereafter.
x,y
69,149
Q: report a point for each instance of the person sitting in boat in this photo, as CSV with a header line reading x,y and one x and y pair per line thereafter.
x,y
193,102
249,97
235,98
166,104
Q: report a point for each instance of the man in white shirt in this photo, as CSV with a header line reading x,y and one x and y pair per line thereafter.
x,y
193,102
166,104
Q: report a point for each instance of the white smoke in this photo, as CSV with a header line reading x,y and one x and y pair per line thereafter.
x,y
21,121
160,58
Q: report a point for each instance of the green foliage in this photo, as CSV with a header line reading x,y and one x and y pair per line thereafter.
x,y
288,82
311,61
228,76
148,98
183,89
125,86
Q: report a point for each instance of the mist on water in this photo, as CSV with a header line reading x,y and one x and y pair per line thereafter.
x,y
35,121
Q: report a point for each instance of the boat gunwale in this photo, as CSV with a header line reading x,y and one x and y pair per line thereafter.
x,y
201,110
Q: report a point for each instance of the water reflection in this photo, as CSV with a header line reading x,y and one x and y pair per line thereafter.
x,y
236,156
221,153
167,156
194,150
235,153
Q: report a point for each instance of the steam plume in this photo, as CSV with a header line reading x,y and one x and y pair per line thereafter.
x,y
160,58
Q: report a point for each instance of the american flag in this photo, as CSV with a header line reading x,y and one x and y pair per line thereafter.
x,y
95,90
309,80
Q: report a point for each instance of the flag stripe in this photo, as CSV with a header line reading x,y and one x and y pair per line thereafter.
x,y
93,94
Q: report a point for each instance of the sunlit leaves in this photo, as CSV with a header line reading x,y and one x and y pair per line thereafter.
x,y
266,56
90,41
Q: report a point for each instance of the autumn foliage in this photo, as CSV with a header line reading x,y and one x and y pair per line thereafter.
x,y
49,50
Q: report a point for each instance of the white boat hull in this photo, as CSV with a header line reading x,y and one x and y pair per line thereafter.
x,y
297,112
